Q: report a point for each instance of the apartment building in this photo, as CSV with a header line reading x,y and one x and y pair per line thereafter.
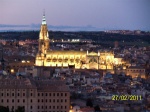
x,y
34,95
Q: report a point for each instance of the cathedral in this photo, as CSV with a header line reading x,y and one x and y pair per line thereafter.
x,y
71,58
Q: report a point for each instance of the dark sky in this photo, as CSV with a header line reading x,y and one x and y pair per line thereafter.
x,y
119,14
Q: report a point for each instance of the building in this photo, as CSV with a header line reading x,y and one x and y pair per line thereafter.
x,y
136,71
34,95
70,58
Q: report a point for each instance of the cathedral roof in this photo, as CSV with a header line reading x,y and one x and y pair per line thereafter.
x,y
70,52
92,53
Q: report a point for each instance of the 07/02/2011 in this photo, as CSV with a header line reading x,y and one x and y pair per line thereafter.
x,y
126,97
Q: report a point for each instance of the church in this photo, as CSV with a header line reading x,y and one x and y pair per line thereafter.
x,y
70,58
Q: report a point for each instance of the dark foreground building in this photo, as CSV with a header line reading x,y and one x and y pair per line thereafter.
x,y
34,95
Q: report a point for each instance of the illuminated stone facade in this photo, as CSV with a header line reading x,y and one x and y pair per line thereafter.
x,y
76,59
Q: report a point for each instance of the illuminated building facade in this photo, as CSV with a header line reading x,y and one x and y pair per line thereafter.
x,y
76,59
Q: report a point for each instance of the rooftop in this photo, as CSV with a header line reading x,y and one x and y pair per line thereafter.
x,y
40,85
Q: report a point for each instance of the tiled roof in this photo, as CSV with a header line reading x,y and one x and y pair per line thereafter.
x,y
40,85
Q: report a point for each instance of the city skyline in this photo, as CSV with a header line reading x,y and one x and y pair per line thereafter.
x,y
77,15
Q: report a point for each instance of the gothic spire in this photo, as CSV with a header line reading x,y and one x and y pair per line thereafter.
x,y
44,19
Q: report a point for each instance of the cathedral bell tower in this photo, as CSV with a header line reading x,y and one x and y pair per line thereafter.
x,y
43,43
43,38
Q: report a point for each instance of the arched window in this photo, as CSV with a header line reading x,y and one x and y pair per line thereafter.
x,y
60,60
77,60
71,60
66,60
54,60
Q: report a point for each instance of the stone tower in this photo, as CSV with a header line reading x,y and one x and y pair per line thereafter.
x,y
43,37
43,43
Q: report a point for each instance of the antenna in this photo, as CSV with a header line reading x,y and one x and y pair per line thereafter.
x,y
43,12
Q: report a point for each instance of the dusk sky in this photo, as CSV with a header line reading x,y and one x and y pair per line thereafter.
x,y
106,14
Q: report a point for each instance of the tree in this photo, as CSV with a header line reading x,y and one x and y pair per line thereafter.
x,y
89,102
20,109
97,109
4,109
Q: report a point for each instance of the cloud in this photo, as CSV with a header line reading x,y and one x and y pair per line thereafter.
x,y
5,27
